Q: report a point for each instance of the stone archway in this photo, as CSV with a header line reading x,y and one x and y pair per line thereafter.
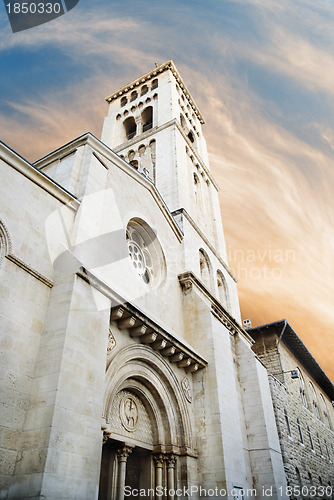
x,y
147,425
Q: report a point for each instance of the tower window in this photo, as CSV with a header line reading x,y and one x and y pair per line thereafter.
x,y
124,101
144,90
154,84
134,96
182,121
222,289
191,137
134,163
205,268
130,127
147,118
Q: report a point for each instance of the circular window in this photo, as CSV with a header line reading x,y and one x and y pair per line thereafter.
x,y
145,252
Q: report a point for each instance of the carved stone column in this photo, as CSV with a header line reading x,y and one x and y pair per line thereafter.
x,y
159,463
122,456
171,460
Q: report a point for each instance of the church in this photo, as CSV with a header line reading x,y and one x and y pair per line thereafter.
x,y
125,368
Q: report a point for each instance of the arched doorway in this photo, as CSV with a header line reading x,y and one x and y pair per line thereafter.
x,y
147,427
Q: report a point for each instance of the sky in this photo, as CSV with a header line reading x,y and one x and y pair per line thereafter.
x,y
262,74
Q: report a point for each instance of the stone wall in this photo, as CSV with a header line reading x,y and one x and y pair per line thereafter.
x,y
308,460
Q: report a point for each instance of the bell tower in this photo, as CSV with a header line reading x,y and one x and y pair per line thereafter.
x,y
154,124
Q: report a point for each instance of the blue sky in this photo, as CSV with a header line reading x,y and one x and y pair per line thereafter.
x,y
262,74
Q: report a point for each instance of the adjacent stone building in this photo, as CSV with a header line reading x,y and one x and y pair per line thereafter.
x,y
124,365
303,399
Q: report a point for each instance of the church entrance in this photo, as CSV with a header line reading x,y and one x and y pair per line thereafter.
x,y
147,431
125,470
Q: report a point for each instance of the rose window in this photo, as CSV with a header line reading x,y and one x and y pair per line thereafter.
x,y
145,252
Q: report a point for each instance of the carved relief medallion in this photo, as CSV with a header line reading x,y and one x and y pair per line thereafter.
x,y
128,413
185,384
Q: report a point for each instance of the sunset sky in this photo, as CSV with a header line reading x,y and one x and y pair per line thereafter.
x,y
262,74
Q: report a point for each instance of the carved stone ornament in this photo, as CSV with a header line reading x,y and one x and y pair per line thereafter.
x,y
128,413
106,436
111,341
185,384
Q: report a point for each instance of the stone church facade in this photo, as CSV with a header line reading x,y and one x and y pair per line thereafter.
x,y
124,365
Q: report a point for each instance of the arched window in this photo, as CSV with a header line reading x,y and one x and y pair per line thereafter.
x,y
133,96
287,421
191,137
205,268
314,400
302,388
319,444
300,432
134,164
222,289
197,189
299,479
182,121
147,118
130,127
310,437
144,90
155,84
327,450
145,252
324,411
124,101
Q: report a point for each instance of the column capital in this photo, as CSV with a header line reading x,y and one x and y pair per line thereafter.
x,y
123,453
159,460
171,461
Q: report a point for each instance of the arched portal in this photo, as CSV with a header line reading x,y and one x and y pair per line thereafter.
x,y
147,426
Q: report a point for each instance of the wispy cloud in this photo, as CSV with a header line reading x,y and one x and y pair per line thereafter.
x,y
276,187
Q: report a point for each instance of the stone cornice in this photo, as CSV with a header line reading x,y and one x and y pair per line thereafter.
x,y
188,280
30,270
129,317
169,65
99,148
14,160
206,241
